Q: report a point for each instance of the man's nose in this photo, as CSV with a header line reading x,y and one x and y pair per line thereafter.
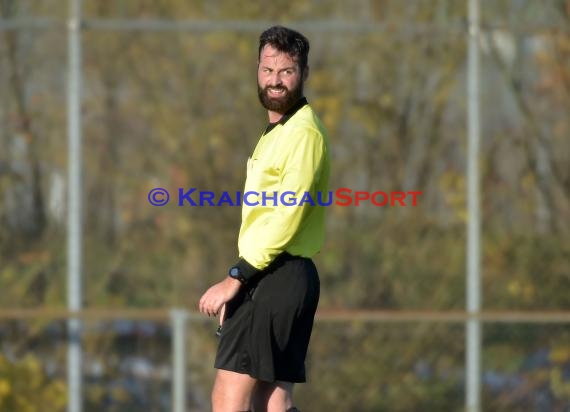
x,y
275,79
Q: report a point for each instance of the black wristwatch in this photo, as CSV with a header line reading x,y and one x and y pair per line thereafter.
x,y
235,273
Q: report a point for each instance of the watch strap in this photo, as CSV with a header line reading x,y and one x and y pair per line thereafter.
x,y
247,270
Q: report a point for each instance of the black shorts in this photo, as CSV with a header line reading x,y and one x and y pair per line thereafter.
x,y
268,324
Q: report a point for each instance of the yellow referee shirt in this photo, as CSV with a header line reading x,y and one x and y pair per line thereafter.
x,y
291,159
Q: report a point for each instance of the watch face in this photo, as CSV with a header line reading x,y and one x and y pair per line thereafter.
x,y
235,273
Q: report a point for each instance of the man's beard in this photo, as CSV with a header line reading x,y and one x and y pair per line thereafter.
x,y
280,104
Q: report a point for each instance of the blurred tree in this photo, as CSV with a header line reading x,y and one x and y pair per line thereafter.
x,y
24,387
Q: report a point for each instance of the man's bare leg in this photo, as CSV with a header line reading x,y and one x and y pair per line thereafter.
x,y
273,396
232,392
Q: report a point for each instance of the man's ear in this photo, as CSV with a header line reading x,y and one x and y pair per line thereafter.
x,y
306,73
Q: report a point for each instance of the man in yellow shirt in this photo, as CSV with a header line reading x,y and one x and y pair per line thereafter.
x,y
271,294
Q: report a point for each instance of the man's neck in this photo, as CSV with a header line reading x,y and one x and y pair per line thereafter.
x,y
274,117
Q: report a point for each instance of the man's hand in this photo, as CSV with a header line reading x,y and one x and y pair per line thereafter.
x,y
219,294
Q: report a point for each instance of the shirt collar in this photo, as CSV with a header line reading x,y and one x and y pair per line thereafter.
x,y
288,114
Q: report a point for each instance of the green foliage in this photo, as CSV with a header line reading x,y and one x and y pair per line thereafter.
x,y
24,387
374,367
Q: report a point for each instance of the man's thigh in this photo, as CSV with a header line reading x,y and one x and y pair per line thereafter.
x,y
232,391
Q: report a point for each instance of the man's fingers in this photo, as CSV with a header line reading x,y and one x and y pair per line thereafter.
x,y
202,304
209,307
212,302
205,306
216,308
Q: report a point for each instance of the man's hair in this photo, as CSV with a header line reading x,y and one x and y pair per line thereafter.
x,y
287,41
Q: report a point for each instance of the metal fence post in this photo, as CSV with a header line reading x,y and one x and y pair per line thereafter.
x,y
74,211
179,317
473,284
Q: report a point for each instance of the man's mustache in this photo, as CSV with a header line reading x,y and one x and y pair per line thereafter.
x,y
266,88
